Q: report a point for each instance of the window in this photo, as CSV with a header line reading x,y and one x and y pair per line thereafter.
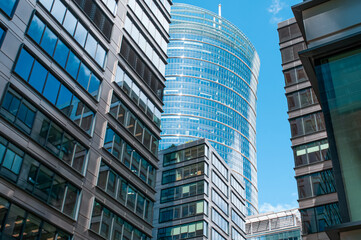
x,y
185,172
133,58
183,191
301,99
122,113
318,218
127,84
65,57
122,151
183,211
184,155
237,186
8,7
295,75
237,203
216,235
219,166
75,29
316,184
220,221
238,220
146,46
219,201
149,25
111,5
291,53
124,192
50,88
107,223
26,224
307,124
44,131
97,16
11,159
185,231
221,185
311,153
236,235
2,34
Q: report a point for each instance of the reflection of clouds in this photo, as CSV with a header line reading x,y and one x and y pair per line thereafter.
x,y
274,9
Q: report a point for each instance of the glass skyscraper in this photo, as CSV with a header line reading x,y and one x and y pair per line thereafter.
x,y
211,90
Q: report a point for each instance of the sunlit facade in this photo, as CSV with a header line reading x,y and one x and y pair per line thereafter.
x,y
211,91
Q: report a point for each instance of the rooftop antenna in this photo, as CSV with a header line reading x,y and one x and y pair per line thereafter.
x,y
220,10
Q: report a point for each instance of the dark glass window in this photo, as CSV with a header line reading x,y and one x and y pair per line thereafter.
x,y
124,116
103,220
183,173
318,218
183,211
8,7
183,191
127,155
51,89
316,184
45,132
307,124
38,76
185,231
183,155
20,224
61,53
311,153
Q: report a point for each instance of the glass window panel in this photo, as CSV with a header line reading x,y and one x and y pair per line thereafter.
x,y
72,66
80,34
24,64
94,86
36,29
135,163
64,100
131,199
58,11
100,55
37,77
91,45
70,204
47,232
61,53
79,158
8,6
57,192
43,183
51,89
139,131
48,42
70,22
14,222
67,149
32,227
131,123
84,76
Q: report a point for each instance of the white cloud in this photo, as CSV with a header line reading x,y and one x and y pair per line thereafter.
x,y
276,6
274,9
267,207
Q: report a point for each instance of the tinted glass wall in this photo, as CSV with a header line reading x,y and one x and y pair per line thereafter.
x,y
211,90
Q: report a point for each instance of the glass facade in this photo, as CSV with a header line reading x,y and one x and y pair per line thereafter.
x,y
339,83
211,90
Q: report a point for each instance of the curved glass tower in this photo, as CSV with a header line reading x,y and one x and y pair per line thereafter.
x,y
211,91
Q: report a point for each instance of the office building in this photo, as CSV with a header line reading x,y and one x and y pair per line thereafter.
x,y
332,32
284,225
198,196
317,197
211,90
81,87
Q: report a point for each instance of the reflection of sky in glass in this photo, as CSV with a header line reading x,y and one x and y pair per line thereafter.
x,y
211,90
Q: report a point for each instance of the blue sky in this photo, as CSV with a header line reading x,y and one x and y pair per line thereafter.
x,y
258,20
